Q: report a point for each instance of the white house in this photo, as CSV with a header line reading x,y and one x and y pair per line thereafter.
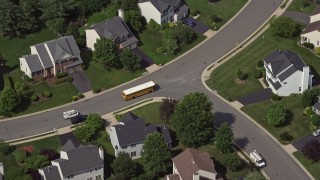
x,y
1,171
311,33
76,162
128,136
163,11
192,164
286,73
115,29
316,107
52,57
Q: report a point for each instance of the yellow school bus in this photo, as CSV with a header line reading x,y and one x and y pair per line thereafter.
x,y
139,90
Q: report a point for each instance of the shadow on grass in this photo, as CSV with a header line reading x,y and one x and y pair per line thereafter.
x,y
23,106
87,57
220,168
108,159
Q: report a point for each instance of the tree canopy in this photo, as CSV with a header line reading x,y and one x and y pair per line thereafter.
x,y
130,60
123,165
9,99
311,150
224,138
134,19
285,27
309,96
167,108
106,53
192,116
276,114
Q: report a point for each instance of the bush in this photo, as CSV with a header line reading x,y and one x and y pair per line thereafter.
x,y
309,96
285,136
20,155
26,78
47,94
194,12
59,81
4,148
96,90
311,150
232,161
215,18
153,26
315,120
80,95
317,50
75,98
34,98
69,79
260,64
275,97
308,111
161,50
308,45
256,73
51,154
276,115
61,75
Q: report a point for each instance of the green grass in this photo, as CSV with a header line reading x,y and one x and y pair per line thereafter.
x,y
223,78
312,168
297,6
14,48
297,126
151,41
226,9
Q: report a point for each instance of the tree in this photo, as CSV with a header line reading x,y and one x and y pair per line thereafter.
x,y
37,161
315,120
123,165
309,97
84,133
183,34
232,161
4,147
311,150
15,173
276,115
53,9
130,60
21,88
87,7
51,154
170,44
105,53
58,25
20,156
191,116
73,30
153,26
224,138
155,154
285,27
256,175
134,19
94,122
167,108
9,99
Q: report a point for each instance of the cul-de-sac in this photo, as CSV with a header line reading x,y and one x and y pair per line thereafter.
x,y
159,89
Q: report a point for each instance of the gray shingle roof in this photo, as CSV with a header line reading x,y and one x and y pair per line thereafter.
x,y
317,106
44,56
287,73
316,11
81,159
276,85
133,130
162,5
51,173
33,62
69,142
315,26
62,48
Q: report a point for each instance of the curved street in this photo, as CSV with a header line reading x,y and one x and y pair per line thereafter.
x,y
177,79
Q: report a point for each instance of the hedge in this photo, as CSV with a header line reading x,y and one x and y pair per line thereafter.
x,y
308,45
20,155
61,75
59,81
96,90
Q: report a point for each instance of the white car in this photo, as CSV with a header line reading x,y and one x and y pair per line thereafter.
x,y
316,132
257,159
70,114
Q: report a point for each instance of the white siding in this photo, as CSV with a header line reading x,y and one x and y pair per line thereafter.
x,y
315,18
292,84
311,37
24,67
91,38
87,174
206,174
150,12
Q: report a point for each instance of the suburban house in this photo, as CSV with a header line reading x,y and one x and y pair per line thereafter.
x,y
286,73
163,11
115,29
192,164
1,171
316,107
52,57
76,162
128,136
311,34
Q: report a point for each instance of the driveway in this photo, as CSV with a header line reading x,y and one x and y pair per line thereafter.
x,y
146,60
81,81
199,27
256,97
298,144
298,17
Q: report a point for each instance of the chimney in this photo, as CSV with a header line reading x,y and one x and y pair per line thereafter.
x,y
121,13
101,153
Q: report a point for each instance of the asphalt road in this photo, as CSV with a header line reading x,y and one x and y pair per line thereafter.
x,y
178,79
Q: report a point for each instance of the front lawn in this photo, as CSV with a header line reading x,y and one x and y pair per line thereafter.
x,y
150,41
297,6
225,9
312,168
297,126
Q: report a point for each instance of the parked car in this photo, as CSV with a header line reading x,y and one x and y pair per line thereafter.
x,y
78,119
188,22
257,159
316,133
70,114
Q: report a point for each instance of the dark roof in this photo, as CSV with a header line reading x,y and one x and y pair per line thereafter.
x,y
133,130
69,142
162,5
81,159
287,73
33,62
317,106
181,9
43,55
315,26
173,177
316,11
282,60
190,161
62,48
51,173
276,85
129,41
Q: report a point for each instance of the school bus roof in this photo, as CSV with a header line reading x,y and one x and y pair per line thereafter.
x,y
139,87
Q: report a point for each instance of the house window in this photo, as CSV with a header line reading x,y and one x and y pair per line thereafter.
x,y
124,147
317,42
98,177
133,154
90,178
70,177
299,89
116,147
133,145
284,82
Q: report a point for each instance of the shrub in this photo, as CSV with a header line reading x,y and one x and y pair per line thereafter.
x,y
275,97
20,155
75,98
27,78
37,161
51,154
59,81
315,120
96,90
69,79
161,50
308,111
309,96
260,63
232,161
34,98
61,75
153,26
308,45
311,150
84,67
4,148
167,108
285,136
47,94
80,95
276,115
215,18
317,50
256,73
